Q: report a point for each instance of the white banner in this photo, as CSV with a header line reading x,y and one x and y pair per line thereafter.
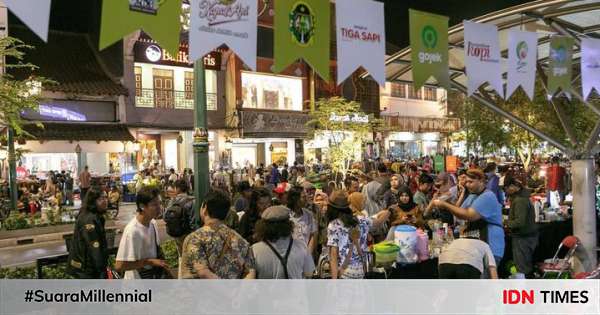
x,y
522,57
590,65
482,56
314,297
217,22
34,13
360,38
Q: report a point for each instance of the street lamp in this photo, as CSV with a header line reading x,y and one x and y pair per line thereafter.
x,y
228,147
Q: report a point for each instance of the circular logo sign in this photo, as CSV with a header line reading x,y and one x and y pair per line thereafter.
x,y
559,54
153,53
302,23
429,37
522,50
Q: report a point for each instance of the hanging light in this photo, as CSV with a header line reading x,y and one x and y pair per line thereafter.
x,y
179,139
136,146
228,144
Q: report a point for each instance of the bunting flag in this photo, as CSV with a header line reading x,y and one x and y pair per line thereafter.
x,y
522,57
482,57
158,18
302,31
590,65
429,48
560,65
36,19
233,23
360,38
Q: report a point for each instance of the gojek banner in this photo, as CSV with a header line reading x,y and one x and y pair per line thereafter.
x,y
522,56
34,13
590,65
560,65
429,48
302,30
482,57
360,38
158,18
217,22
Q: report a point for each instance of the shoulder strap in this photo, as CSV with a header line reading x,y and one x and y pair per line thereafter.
x,y
284,259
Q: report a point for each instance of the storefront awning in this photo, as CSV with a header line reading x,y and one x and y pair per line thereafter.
x,y
80,132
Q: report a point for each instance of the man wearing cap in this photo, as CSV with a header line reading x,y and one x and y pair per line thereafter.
x,y
521,222
277,255
481,204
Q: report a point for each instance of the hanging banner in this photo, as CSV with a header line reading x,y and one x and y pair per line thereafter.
x,y
482,57
302,31
36,19
590,65
522,57
158,18
217,22
560,65
429,48
360,38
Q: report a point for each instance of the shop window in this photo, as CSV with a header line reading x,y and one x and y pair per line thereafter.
x,y
398,90
271,92
414,94
430,94
187,100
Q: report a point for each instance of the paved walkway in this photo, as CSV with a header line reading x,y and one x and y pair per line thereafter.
x,y
27,254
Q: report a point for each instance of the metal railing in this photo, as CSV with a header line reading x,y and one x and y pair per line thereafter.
x,y
158,98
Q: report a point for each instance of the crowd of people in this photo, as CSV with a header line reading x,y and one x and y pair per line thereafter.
x,y
277,223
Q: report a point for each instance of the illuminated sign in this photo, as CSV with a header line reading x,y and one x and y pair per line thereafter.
x,y
149,52
61,113
355,118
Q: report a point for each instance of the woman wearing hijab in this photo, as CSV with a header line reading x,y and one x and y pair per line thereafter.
x,y
406,211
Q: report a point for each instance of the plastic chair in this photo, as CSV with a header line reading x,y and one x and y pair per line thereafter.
x,y
558,265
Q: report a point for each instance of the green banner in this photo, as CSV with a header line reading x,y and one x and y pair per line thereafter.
x,y
158,18
560,65
440,163
302,30
429,48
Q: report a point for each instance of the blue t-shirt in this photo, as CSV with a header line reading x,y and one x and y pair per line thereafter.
x,y
490,210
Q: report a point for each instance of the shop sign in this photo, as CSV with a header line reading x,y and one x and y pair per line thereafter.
x,y
60,113
61,110
419,124
148,52
265,123
355,118
451,164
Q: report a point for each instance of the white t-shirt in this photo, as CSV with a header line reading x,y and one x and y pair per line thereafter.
x,y
468,251
138,242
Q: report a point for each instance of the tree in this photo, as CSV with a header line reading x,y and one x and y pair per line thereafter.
x,y
344,124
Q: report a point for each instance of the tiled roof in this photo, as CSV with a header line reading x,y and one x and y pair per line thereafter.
x,y
80,132
70,60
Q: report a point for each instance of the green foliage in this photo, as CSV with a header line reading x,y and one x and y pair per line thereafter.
x,y
49,272
15,95
347,138
16,221
490,131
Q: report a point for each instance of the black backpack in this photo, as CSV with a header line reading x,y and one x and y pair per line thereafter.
x,y
177,218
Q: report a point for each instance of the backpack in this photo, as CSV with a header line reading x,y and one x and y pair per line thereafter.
x,y
177,218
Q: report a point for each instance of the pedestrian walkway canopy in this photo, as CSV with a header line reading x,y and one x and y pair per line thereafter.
x,y
545,17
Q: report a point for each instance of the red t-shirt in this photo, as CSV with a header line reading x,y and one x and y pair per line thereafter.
x,y
556,173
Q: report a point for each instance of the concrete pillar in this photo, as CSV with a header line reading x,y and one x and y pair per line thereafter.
x,y
584,212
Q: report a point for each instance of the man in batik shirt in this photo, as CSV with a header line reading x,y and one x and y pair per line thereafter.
x,y
215,251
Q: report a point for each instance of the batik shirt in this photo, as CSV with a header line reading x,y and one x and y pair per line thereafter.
x,y
220,249
339,236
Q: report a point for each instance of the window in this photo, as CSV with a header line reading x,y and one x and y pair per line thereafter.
x,y
399,90
188,85
211,89
430,94
271,92
163,88
414,94
138,81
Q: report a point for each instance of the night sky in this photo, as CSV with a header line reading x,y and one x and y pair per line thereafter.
x,y
396,13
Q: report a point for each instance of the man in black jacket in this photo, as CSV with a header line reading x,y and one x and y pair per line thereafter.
x,y
521,222
88,252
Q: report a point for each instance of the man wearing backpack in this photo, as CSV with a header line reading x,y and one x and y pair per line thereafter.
x,y
180,217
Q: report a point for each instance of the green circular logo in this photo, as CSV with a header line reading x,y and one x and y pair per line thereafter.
x,y
429,37
302,23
